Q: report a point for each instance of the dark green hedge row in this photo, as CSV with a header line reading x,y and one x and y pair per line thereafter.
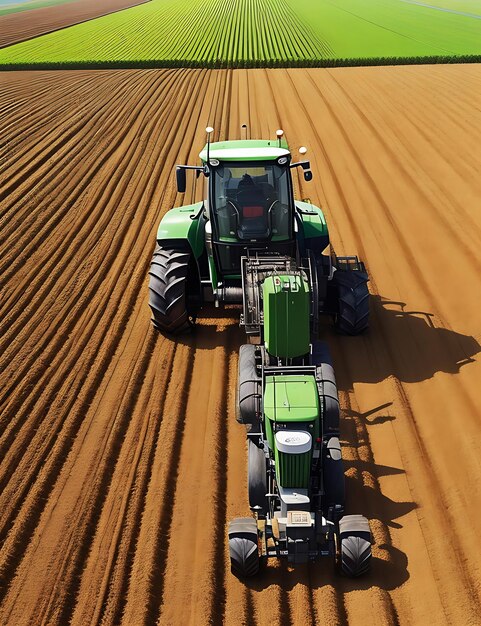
x,y
220,64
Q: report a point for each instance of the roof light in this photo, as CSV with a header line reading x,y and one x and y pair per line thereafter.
x,y
279,134
282,160
209,130
302,150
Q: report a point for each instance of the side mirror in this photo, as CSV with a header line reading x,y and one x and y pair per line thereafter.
x,y
304,164
307,175
181,179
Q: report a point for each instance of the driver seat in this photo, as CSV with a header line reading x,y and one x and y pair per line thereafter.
x,y
254,218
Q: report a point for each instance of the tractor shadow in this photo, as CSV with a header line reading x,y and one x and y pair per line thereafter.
x,y
389,570
371,501
214,328
369,418
401,343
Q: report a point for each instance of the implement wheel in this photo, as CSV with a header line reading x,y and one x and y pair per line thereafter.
x,y
355,545
243,548
257,477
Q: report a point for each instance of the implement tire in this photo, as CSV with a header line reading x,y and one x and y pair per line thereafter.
x,y
243,549
333,473
327,388
352,317
355,545
168,284
257,477
249,387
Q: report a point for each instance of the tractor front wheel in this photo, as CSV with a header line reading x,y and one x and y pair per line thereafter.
x,y
173,308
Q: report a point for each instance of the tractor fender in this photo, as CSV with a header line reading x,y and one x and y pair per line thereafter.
x,y
312,226
185,223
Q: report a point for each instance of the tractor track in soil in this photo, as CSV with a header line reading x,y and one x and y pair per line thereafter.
x,y
120,459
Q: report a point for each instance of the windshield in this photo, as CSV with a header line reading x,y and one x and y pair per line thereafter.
x,y
251,202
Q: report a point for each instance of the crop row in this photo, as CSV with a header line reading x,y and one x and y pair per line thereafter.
x,y
245,33
248,64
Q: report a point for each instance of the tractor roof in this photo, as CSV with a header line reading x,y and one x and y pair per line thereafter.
x,y
246,150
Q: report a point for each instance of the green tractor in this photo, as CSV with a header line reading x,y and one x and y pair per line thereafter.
x,y
251,244
249,211
287,398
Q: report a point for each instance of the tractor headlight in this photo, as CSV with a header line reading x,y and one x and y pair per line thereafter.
x,y
282,160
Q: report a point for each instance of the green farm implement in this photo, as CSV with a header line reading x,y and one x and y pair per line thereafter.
x,y
287,398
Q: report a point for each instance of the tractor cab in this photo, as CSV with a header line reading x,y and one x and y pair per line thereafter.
x,y
250,201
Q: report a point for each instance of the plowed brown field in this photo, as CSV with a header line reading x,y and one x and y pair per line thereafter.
x,y
120,458
16,27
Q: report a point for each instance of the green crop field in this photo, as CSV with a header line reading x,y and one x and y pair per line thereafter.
x,y
264,32
14,6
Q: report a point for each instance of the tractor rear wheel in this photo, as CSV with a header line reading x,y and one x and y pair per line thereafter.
x,y
170,278
352,316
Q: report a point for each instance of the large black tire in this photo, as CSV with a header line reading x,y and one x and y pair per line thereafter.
x,y
355,556
257,477
243,548
352,317
249,387
333,473
327,388
168,285
355,549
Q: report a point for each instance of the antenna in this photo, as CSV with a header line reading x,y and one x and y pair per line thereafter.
x,y
209,130
279,134
244,128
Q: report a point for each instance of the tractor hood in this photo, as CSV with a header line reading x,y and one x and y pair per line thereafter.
x,y
291,402
291,398
246,150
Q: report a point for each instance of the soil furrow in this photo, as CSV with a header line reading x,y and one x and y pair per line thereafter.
x,y
121,462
